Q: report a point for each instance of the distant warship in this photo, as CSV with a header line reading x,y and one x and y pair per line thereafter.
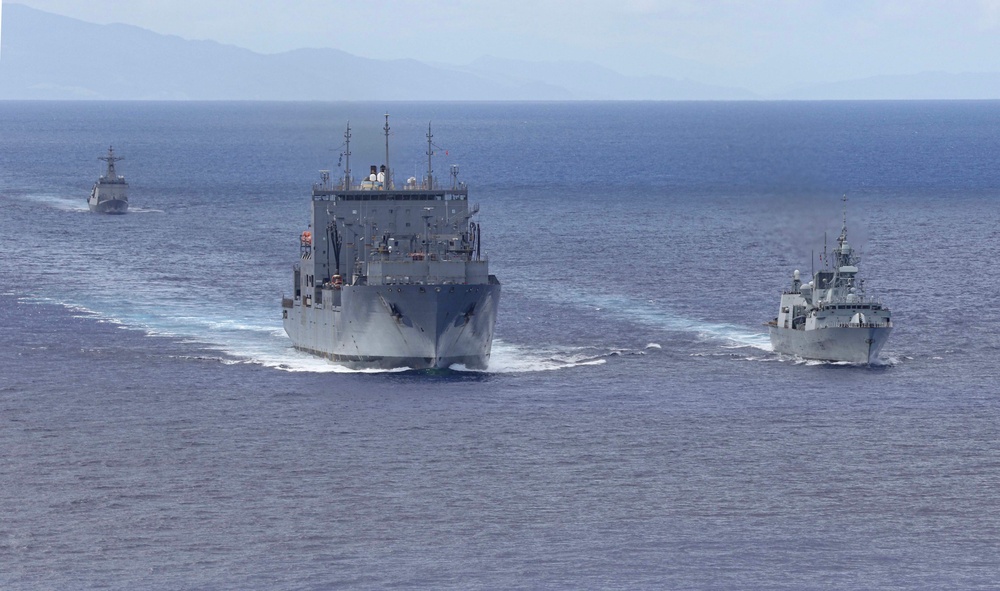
x,y
109,194
392,276
831,318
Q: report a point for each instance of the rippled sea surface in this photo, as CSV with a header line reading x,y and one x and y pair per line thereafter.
x,y
634,429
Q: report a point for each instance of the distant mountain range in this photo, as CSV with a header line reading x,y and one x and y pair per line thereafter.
x,y
46,56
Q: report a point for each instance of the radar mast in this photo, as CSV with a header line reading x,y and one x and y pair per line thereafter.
x,y
430,152
111,159
347,157
388,170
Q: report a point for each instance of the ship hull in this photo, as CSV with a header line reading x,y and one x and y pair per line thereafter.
x,y
112,206
397,326
849,344
109,198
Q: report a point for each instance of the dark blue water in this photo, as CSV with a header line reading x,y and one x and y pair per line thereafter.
x,y
634,430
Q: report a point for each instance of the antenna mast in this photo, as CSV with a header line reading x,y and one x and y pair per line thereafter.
x,y
347,155
111,159
430,152
387,169
843,231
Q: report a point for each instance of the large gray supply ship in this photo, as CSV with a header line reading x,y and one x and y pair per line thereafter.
x,y
392,277
830,318
110,192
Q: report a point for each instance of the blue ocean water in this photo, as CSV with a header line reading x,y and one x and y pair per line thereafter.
x,y
634,429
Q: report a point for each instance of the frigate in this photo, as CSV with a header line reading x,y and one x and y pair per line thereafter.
x,y
392,276
110,192
830,317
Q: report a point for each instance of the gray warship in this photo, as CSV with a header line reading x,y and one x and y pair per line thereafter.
x,y
110,192
830,318
392,276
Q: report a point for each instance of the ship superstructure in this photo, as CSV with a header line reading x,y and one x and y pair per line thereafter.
x,y
830,317
110,192
392,276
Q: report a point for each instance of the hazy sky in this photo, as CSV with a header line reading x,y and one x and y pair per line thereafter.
x,y
762,45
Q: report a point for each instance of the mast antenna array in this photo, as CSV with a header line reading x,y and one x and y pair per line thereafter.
x,y
111,159
347,156
430,152
388,170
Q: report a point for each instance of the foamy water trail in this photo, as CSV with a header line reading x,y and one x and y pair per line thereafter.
x,y
513,358
888,361
250,339
649,314
247,339
268,345
237,340
77,204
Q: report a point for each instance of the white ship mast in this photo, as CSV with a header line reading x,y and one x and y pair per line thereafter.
x,y
347,157
388,171
430,152
111,159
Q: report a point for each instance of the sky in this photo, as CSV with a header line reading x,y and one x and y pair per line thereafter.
x,y
760,45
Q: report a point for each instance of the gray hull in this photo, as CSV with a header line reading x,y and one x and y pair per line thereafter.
x,y
850,344
115,206
392,326
110,192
